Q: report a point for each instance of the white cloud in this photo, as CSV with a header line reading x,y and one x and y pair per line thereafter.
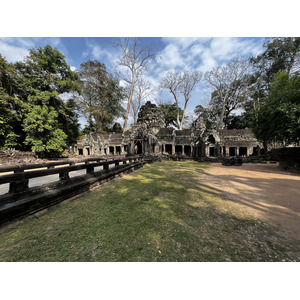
x,y
170,58
184,42
15,49
109,58
12,53
20,42
228,48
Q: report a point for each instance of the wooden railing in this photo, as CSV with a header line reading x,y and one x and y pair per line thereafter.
x,y
18,181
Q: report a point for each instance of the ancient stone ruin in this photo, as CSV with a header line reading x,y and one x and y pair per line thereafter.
x,y
150,137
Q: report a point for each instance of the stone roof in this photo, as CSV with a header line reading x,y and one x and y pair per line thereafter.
x,y
183,132
165,131
183,141
235,132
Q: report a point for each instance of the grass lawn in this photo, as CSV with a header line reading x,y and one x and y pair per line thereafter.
x,y
163,212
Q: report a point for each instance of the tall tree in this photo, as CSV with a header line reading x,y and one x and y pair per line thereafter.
x,y
101,96
10,125
170,113
281,54
42,78
132,64
181,84
279,114
142,92
229,86
208,115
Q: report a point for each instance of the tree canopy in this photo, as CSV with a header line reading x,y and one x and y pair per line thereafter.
x,y
33,114
101,98
170,113
9,104
279,114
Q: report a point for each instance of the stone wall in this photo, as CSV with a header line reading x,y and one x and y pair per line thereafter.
x,y
15,156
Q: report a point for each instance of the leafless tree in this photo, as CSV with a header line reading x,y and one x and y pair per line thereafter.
x,y
142,92
181,83
132,64
229,86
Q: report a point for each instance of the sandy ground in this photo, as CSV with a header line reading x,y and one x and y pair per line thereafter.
x,y
262,190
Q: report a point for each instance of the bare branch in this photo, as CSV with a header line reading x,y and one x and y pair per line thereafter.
x,y
132,65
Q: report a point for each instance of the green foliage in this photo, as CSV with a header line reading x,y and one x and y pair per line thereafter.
x,y
207,115
101,96
281,54
9,119
170,113
117,128
45,69
42,132
279,115
48,124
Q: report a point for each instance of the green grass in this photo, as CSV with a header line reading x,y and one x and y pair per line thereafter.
x,y
163,212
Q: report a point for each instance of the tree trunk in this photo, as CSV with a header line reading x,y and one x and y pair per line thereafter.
x,y
128,104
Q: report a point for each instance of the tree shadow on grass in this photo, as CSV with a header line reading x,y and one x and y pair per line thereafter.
x,y
184,232
156,214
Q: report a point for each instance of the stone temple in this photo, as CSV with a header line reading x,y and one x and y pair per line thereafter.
x,y
150,137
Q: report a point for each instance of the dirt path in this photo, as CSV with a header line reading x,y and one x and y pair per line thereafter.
x,y
263,191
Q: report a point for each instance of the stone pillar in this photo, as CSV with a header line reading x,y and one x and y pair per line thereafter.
x,y
249,151
173,149
182,150
206,150
20,185
226,151
163,148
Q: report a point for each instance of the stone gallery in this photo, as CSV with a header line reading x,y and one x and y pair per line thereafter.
x,y
150,137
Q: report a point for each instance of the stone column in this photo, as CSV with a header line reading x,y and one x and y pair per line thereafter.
x,y
182,149
173,149
226,151
206,150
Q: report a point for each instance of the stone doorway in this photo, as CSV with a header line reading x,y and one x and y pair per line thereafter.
x,y
138,147
178,149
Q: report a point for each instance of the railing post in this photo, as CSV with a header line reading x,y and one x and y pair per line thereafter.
x,y
89,170
64,175
105,166
18,186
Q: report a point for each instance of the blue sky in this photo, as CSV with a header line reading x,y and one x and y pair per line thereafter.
x,y
175,54
91,27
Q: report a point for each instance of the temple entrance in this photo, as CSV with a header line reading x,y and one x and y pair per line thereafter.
x,y
187,150
178,149
232,151
138,147
243,151
168,149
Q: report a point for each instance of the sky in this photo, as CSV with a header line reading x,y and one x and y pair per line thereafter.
x,y
174,54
